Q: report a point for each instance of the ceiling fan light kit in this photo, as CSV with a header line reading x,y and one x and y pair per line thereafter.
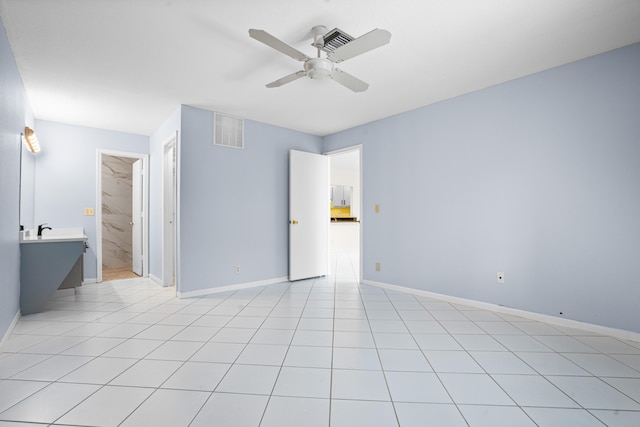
x,y
338,45
318,68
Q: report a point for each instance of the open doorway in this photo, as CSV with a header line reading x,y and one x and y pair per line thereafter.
x,y
345,242
121,216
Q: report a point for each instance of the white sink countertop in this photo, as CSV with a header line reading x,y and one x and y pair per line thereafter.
x,y
54,235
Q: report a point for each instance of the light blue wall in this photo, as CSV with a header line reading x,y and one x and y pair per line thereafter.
x,y
538,178
66,176
156,146
15,113
234,203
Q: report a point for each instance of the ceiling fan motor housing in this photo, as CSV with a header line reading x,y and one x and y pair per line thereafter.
x,y
318,68
318,36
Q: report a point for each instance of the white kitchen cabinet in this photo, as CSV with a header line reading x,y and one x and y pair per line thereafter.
x,y
341,196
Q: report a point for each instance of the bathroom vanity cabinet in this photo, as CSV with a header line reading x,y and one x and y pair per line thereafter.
x,y
47,263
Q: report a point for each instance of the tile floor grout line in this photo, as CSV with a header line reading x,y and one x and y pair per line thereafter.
x,y
509,351
545,376
155,389
159,387
290,285
427,359
333,339
384,375
514,354
211,394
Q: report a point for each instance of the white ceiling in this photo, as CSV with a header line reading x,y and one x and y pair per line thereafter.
x,y
127,64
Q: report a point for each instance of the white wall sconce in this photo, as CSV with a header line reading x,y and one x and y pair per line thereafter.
x,y
30,140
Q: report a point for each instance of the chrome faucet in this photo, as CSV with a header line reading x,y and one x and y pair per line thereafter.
x,y
41,227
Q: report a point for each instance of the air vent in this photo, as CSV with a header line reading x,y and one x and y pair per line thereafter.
x,y
335,39
228,131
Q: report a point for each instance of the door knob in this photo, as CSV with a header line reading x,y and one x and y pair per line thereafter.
x,y
294,222
130,222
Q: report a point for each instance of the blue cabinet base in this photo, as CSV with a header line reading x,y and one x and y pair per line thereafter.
x,y
43,267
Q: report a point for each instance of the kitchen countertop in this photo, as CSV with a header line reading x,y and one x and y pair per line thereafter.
x,y
344,219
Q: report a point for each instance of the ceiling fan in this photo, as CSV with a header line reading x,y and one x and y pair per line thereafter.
x,y
338,46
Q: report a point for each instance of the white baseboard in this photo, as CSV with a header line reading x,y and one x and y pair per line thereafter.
x,y
7,334
156,279
236,287
90,280
559,321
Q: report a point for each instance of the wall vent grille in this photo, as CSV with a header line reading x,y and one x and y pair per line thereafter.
x,y
228,131
334,39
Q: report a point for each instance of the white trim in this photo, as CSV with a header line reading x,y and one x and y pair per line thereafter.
x,y
236,287
156,279
90,281
145,203
362,210
168,142
178,214
559,321
10,329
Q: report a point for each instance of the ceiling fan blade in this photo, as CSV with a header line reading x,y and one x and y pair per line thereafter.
x,y
371,40
348,81
277,44
287,79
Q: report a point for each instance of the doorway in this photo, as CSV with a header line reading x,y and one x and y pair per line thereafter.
x,y
345,234
121,216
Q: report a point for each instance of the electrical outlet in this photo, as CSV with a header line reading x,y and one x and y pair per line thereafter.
x,y
500,277
88,211
377,266
377,208
237,269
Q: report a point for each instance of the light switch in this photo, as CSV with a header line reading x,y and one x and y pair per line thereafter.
x,y
88,211
377,208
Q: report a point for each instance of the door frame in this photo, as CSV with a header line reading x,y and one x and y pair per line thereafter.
x,y
349,149
137,211
171,142
145,207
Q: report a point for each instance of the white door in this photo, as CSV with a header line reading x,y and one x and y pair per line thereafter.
x,y
169,215
309,202
136,218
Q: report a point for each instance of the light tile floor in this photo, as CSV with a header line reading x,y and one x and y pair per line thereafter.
x,y
324,352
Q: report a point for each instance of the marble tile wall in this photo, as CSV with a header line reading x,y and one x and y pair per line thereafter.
x,y
116,211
